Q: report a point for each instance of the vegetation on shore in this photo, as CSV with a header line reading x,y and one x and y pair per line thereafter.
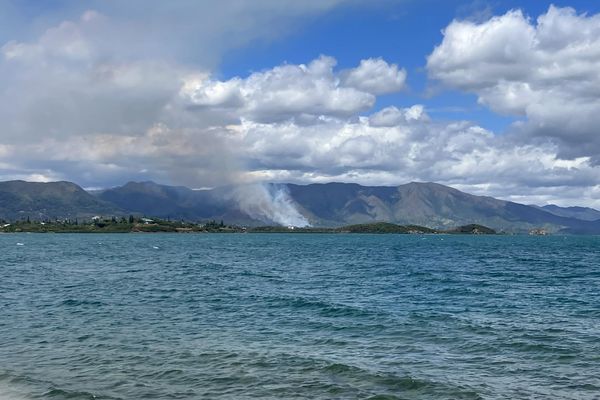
x,y
150,225
379,227
114,225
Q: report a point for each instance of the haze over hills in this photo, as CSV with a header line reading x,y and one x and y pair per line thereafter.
x,y
160,200
332,204
177,202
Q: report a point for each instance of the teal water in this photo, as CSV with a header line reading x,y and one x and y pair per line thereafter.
x,y
274,316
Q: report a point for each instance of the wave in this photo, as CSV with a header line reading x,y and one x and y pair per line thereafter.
x,y
387,385
56,393
78,303
14,386
323,307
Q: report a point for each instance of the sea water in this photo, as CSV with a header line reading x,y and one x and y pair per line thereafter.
x,y
299,316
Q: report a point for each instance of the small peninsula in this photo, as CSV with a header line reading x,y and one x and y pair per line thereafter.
x,y
156,225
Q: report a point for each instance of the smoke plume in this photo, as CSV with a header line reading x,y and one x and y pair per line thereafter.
x,y
269,203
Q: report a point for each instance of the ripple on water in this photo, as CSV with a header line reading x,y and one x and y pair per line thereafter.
x,y
298,317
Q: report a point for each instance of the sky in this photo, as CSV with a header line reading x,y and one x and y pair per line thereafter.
x,y
497,98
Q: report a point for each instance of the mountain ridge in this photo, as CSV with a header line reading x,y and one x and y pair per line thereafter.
x,y
430,204
323,204
46,200
583,213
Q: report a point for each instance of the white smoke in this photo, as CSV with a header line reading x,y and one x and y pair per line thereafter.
x,y
269,204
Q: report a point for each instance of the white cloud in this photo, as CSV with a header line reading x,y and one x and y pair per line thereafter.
x,y
283,92
456,153
68,41
203,92
77,106
64,84
545,71
117,69
331,149
375,76
391,116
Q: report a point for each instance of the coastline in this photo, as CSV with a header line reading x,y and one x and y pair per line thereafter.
x,y
189,228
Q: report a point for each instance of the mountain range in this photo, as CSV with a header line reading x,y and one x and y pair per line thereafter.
x,y
584,213
39,201
332,204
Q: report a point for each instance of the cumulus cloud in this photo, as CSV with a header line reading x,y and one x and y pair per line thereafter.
x,y
115,68
544,71
291,90
458,153
391,116
375,76
78,108
75,111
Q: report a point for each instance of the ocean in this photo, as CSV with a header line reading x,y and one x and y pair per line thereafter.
x,y
299,316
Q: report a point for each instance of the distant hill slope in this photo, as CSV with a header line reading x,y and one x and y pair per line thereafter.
x,y
428,204
150,198
324,205
176,202
20,199
337,204
582,213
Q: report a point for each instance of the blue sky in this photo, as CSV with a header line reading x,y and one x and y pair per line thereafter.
x,y
402,32
471,94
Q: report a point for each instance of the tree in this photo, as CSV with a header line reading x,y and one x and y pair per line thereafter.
x,y
131,219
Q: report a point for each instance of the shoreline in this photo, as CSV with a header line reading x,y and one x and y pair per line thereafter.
x,y
158,226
